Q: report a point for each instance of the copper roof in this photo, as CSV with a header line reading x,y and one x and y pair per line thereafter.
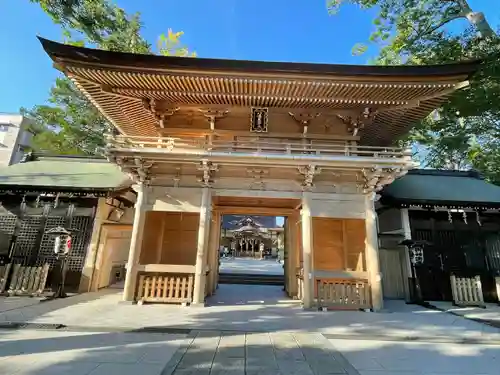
x,y
118,82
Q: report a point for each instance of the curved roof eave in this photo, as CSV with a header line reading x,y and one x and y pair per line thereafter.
x,y
66,53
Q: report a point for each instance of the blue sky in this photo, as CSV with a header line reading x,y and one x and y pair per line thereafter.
x,y
275,30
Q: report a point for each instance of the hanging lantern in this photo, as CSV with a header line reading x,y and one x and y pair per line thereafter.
x,y
67,247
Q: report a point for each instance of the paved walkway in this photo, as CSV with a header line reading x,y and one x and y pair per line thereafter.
x,y
39,352
254,308
375,357
251,266
237,353
244,330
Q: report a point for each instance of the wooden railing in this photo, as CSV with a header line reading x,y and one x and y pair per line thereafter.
x,y
166,288
24,280
256,145
343,294
467,291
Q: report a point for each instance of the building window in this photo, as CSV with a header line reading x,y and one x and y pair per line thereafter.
x,y
259,120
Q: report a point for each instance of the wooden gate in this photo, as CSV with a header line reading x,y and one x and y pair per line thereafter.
x,y
467,291
392,262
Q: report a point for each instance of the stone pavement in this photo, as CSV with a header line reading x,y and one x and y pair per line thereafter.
x,y
238,353
243,330
251,266
252,309
375,357
39,352
29,352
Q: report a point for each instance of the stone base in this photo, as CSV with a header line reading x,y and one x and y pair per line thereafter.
x,y
198,305
127,302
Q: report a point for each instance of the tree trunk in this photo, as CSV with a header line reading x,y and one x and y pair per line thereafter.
x,y
478,20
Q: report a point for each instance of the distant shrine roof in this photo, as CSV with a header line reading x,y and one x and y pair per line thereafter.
x,y
119,84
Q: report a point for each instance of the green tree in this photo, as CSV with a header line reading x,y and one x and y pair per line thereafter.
x,y
70,124
465,132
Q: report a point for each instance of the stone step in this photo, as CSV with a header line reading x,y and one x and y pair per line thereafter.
x,y
247,278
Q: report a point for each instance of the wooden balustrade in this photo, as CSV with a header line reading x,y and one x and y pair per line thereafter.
x,y
165,288
467,291
343,294
257,145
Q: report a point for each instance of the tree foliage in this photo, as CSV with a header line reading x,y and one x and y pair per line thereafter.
x,y
69,123
465,132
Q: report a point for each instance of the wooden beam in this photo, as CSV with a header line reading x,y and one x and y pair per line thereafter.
x,y
272,211
167,268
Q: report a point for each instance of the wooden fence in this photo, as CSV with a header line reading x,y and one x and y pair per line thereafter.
x,y
25,280
4,276
497,284
343,294
467,291
166,288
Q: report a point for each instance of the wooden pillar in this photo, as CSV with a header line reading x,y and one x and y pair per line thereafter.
x,y
213,252
406,265
307,249
201,251
135,243
371,253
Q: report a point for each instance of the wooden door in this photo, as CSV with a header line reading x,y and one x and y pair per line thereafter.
x,y
391,266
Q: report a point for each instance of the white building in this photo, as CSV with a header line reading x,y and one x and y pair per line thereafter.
x,y
15,138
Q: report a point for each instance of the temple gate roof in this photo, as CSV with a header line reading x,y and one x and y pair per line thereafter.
x,y
126,87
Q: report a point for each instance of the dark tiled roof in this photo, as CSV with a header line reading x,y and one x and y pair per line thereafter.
x,y
96,56
445,187
60,173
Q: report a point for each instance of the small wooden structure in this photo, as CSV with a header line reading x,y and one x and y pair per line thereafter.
x,y
43,192
467,291
458,214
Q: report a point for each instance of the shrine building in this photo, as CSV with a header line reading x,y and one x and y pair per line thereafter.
x,y
202,138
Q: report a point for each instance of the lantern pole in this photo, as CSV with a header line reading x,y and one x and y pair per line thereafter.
x,y
62,238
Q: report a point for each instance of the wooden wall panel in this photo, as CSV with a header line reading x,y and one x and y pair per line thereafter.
x,y
355,234
170,238
339,244
328,254
180,238
151,237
